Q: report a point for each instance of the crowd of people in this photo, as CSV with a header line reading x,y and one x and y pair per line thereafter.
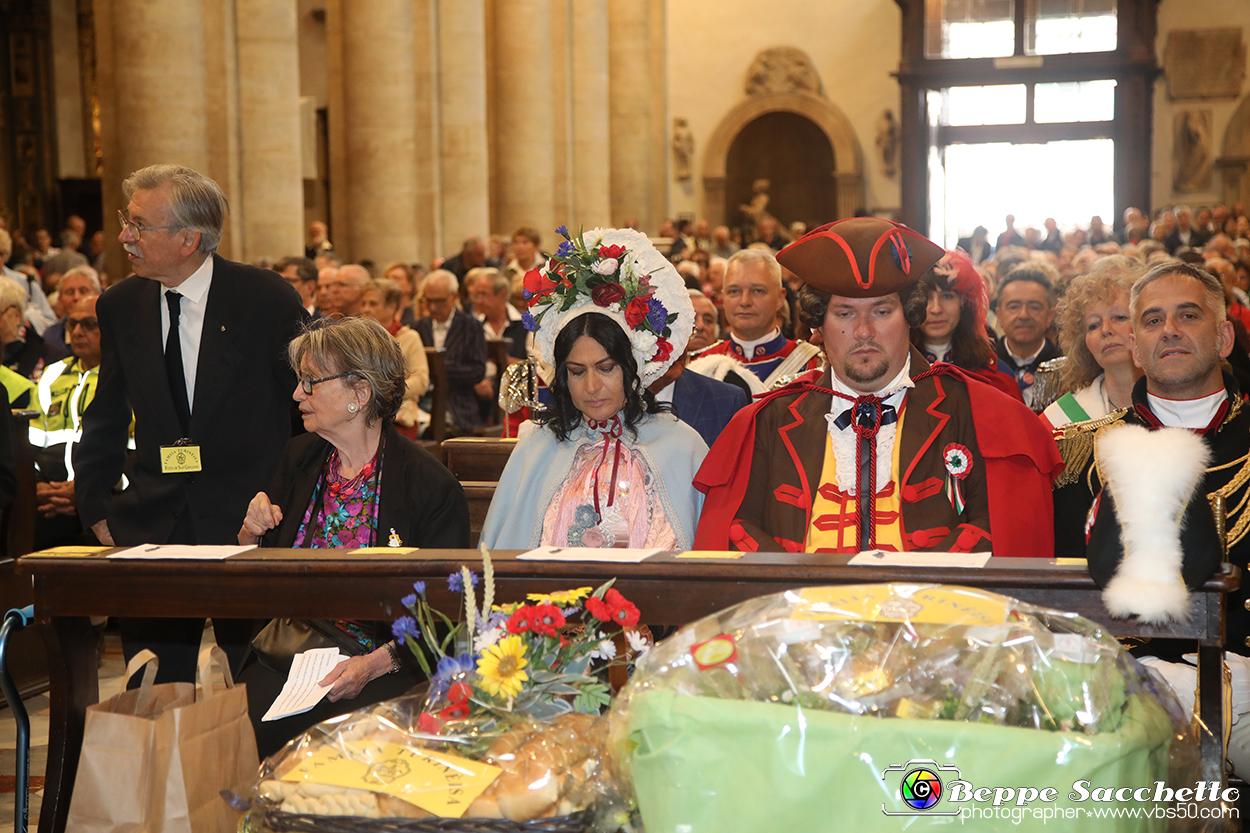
x,y
850,388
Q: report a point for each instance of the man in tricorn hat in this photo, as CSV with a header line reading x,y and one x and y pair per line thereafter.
x,y
951,463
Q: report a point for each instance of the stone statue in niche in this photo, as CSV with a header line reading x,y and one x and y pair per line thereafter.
x,y
683,150
887,142
1205,63
1191,151
757,209
782,69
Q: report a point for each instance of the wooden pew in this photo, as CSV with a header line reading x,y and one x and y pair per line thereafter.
x,y
497,352
438,388
478,458
478,494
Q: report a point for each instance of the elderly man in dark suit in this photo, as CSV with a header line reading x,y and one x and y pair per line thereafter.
x,y
195,346
464,342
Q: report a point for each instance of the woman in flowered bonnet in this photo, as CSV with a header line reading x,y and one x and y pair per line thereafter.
x,y
604,465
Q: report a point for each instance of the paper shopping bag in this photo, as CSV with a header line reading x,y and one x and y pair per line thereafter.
x,y
155,759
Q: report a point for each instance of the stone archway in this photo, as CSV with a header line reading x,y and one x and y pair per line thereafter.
x,y
1234,161
848,156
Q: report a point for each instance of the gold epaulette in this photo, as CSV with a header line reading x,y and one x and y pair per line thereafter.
x,y
694,354
1076,444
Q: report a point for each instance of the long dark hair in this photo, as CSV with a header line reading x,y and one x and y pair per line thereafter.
x,y
969,349
562,415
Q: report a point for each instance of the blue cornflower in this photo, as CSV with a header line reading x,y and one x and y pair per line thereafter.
x,y
405,626
447,670
657,316
565,249
419,586
409,601
563,231
529,322
455,582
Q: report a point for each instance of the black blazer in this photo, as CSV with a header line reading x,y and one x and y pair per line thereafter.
x,y
242,413
421,502
465,359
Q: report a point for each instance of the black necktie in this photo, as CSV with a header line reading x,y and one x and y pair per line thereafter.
x,y
868,415
173,364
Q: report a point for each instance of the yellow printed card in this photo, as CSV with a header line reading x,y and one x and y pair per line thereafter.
x,y
177,459
933,604
437,782
72,550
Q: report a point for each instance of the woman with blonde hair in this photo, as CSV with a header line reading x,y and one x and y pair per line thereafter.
x,y
1096,336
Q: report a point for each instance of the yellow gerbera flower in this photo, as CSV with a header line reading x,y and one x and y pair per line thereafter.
x,y
501,667
569,597
510,608
561,597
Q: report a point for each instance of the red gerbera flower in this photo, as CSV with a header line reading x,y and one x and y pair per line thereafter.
x,y
613,608
456,711
546,619
521,620
459,692
429,724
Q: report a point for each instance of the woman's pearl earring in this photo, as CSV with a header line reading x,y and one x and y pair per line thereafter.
x,y
352,407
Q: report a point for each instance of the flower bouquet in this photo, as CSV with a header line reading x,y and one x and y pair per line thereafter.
x,y
506,738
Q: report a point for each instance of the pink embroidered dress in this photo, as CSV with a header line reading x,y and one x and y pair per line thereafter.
x,y
609,498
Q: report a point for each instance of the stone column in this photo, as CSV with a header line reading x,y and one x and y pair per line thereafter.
x,y
379,104
629,67
592,158
462,134
150,59
523,135
270,210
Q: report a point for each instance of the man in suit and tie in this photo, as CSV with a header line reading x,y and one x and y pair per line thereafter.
x,y
195,346
703,403
461,336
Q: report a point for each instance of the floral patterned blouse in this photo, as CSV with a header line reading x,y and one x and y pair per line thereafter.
x,y
346,517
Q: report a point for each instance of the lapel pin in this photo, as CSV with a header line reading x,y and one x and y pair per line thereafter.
x,y
223,328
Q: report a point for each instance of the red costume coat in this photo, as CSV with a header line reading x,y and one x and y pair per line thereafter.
x,y
760,476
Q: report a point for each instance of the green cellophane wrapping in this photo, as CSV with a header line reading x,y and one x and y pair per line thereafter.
x,y
707,765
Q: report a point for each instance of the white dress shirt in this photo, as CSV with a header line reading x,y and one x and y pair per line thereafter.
x,y
846,445
1195,414
194,292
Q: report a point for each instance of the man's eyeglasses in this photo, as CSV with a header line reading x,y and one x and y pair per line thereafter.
x,y
90,324
307,384
137,230
430,300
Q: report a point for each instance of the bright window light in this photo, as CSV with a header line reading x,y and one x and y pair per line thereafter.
x,y
1077,101
1070,181
1000,104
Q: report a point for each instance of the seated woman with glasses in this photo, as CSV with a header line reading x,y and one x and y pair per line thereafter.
x,y
605,465
352,481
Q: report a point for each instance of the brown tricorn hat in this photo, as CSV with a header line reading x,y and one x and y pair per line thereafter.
x,y
864,257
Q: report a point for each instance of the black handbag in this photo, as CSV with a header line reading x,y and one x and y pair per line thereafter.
x,y
279,641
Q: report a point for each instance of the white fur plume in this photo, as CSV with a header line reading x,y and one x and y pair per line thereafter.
x,y
1151,476
719,365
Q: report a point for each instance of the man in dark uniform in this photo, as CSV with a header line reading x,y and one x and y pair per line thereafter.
x,y
1181,332
948,460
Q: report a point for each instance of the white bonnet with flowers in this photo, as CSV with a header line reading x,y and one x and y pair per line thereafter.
x,y
617,273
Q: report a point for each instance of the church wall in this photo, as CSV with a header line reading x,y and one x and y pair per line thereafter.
x,y
854,46
1193,14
